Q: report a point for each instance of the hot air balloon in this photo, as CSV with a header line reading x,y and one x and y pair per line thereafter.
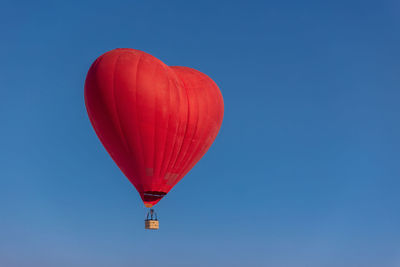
x,y
155,121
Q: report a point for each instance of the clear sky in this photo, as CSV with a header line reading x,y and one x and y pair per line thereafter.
x,y
304,173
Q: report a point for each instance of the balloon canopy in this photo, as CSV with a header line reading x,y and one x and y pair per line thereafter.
x,y
155,121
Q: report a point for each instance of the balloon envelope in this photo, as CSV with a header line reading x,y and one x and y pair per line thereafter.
x,y
155,121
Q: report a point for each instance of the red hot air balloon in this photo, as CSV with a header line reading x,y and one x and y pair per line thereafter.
x,y
155,121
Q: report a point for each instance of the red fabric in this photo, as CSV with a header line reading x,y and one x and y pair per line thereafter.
x,y
155,121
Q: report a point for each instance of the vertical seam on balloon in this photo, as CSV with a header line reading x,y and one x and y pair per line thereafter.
x,y
189,157
139,135
116,108
198,148
187,123
155,139
167,128
175,142
182,159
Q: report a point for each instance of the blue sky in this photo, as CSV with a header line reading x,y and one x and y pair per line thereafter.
x,y
305,170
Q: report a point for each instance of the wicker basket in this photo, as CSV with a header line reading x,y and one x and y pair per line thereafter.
x,y
151,224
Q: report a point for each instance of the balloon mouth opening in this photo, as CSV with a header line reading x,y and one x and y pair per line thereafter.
x,y
152,197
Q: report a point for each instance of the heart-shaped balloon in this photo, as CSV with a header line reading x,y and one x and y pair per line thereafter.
x,y
155,121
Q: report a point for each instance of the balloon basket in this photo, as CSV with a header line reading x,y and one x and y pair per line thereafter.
x,y
151,225
151,222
